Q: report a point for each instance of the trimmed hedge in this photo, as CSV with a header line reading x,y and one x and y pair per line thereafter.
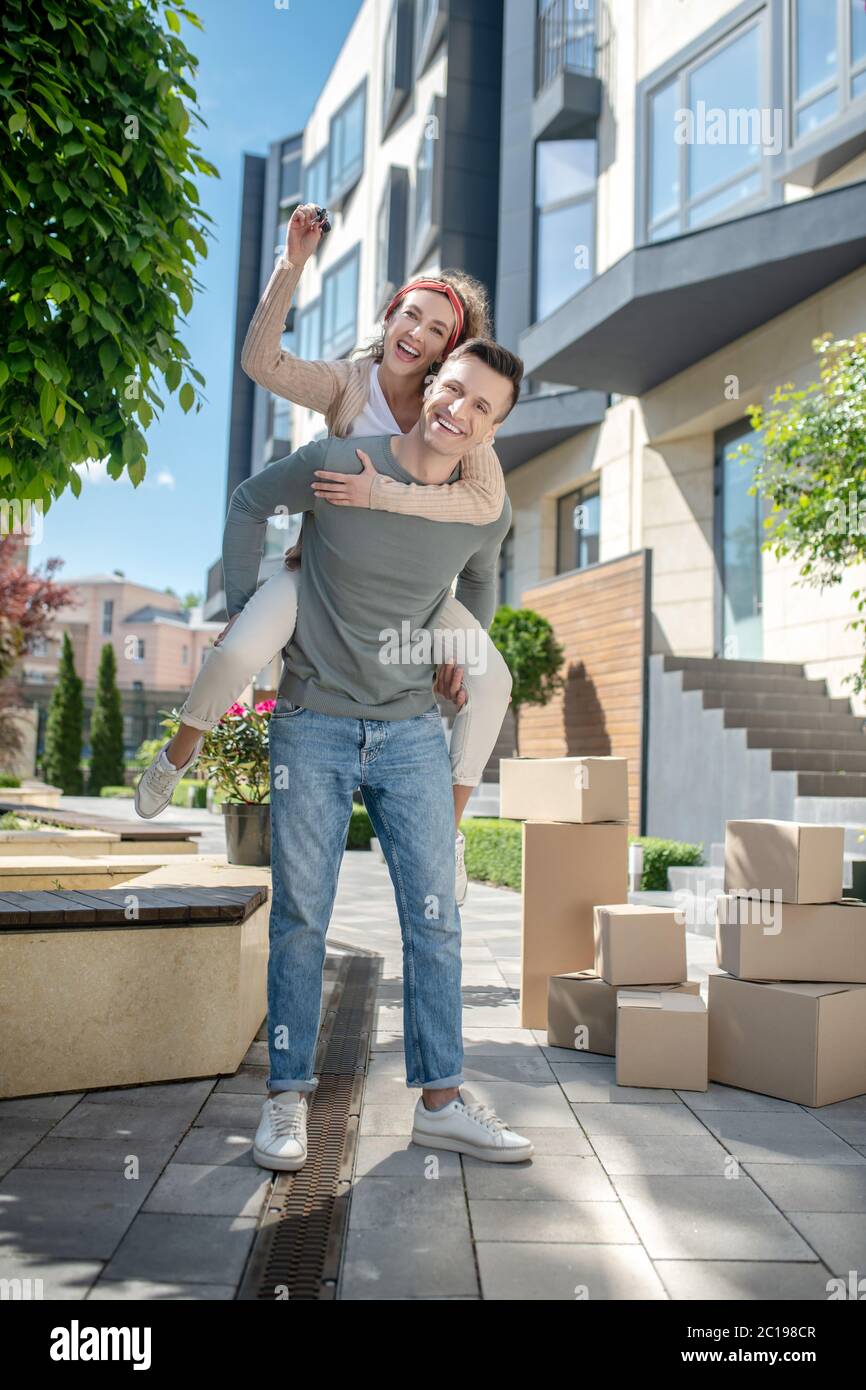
x,y
360,829
7,780
190,794
122,793
494,853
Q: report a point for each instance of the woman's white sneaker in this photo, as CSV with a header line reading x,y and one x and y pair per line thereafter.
x,y
466,1126
157,783
281,1138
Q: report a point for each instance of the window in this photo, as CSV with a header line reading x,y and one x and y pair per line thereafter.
x,y
310,331
137,645
398,61
346,145
184,655
38,646
429,28
391,235
280,239
340,306
290,171
107,616
316,180
565,173
828,59
281,419
204,656
428,179
565,39
701,168
577,529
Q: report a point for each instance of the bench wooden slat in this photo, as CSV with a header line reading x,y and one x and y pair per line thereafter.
x,y
167,905
81,820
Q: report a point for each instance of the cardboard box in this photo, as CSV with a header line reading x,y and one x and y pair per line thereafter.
x,y
567,869
579,790
661,1040
802,1042
636,944
793,941
803,862
581,1010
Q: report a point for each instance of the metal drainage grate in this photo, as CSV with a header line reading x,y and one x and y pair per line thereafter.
x,y
299,1245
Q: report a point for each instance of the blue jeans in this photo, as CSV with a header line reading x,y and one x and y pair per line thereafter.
x,y
404,773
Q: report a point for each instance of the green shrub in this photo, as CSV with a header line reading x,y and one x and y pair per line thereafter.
x,y
494,850
7,780
61,760
659,855
122,793
190,794
360,829
106,728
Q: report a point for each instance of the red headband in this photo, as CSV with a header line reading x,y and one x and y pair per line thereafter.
x,y
441,288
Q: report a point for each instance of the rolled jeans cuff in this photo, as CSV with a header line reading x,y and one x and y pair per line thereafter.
x,y
444,1083
280,1085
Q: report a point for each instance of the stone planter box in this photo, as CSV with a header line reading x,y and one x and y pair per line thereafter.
x,y
89,844
37,872
89,998
32,794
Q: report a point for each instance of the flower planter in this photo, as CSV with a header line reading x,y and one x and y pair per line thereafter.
x,y
248,832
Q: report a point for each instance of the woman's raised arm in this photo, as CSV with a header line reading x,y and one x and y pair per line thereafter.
x,y
477,497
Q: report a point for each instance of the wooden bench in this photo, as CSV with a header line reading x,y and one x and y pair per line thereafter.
x,y
83,820
129,985
87,834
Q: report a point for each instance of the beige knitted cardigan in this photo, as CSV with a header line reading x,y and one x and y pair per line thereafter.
x,y
338,390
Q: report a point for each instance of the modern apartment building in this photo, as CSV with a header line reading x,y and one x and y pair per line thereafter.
x,y
667,199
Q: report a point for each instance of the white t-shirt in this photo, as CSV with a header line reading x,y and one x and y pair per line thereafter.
x,y
376,417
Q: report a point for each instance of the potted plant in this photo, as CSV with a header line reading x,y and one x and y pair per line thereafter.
x,y
234,760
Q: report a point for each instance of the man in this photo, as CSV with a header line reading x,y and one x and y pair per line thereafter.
x,y
348,716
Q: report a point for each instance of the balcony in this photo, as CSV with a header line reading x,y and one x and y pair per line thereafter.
x,y
571,47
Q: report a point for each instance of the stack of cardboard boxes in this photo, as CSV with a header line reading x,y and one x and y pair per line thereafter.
x,y
582,941
788,1016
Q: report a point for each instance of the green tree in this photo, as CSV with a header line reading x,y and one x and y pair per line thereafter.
x,y
107,765
102,228
61,761
811,467
533,656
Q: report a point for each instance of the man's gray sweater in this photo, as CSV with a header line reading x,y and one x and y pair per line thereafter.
x,y
364,575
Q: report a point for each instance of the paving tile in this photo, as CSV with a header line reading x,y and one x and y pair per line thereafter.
x,y
629,1120
408,1200
191,1249
850,1128
50,1213
148,1123
384,1156
423,1263
532,1070
109,1154
388,1119
555,1140
257,1055
660,1154
199,1189
766,1137
238,1110
579,1223
210,1144
19,1135
541,1105
150,1290
718,1097
544,1178
189,1094
706,1218
740,1280
523,1271
67,1280
246,1081
839,1239
598,1084
825,1187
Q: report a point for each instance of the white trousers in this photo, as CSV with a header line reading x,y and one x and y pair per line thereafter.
x,y
267,623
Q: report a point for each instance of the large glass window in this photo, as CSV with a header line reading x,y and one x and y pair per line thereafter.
x,y
346,144
107,616
310,331
430,26
578,517
705,159
340,306
316,180
828,59
281,418
391,235
290,171
397,78
426,211
565,173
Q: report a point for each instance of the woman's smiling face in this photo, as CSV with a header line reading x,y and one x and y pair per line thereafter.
x,y
417,332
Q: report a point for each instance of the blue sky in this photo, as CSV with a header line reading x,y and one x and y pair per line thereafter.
x,y
260,71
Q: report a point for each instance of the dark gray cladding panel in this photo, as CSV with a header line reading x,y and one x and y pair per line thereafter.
x,y
666,306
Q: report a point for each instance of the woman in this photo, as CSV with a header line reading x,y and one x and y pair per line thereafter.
x,y
379,393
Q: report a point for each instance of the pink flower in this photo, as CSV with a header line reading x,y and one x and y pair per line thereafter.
x,y
265,706
235,711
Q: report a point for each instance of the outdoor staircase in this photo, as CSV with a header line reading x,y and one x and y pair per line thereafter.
x,y
749,739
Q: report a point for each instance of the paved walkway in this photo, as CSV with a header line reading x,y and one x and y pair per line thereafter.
x,y
631,1194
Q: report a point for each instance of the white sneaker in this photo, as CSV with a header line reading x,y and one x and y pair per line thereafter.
x,y
281,1138
466,1126
157,783
461,886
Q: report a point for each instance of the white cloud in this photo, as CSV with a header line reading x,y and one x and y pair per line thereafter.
x,y
95,472
165,479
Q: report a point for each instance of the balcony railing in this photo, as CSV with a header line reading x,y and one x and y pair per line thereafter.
x,y
566,40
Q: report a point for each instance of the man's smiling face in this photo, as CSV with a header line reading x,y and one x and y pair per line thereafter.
x,y
463,407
